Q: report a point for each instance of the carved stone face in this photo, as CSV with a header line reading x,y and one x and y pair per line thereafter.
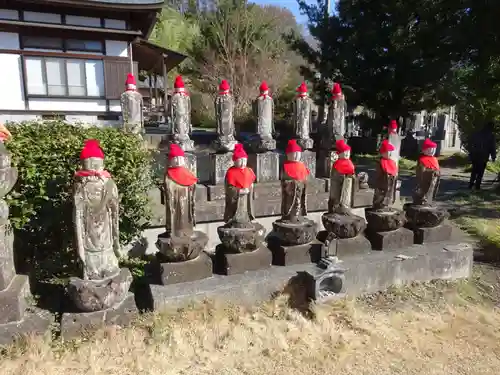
x,y
178,161
240,163
294,156
345,154
429,152
93,164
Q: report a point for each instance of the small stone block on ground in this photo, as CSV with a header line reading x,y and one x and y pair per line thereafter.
x,y
266,166
233,264
440,233
300,254
394,239
190,270
34,322
74,324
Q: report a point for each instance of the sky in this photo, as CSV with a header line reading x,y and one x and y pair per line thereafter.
x,y
289,4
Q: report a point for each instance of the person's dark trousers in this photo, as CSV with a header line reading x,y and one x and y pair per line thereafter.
x,y
476,176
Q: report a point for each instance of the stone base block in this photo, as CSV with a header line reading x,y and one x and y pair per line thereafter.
x,y
224,144
299,254
180,249
34,322
440,233
189,270
266,166
305,143
258,144
344,247
363,198
13,302
394,239
343,226
424,216
386,219
232,264
74,324
240,240
291,234
309,159
219,164
98,295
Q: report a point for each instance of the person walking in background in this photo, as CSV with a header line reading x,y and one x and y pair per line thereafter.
x,y
482,146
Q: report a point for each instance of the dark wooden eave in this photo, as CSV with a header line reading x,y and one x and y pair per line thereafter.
x,y
150,56
106,4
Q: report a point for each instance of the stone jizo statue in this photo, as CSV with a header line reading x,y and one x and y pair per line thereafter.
x,y
293,185
428,175
224,117
335,124
395,140
342,181
386,178
96,210
180,116
179,190
8,175
132,107
239,190
263,140
302,119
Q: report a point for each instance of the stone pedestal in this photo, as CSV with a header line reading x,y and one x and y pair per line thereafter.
x,y
242,238
305,143
184,141
440,233
232,264
311,252
344,235
257,144
324,163
385,229
194,269
180,249
74,324
390,240
266,166
424,216
343,226
309,159
291,233
98,295
219,164
344,247
224,144
386,219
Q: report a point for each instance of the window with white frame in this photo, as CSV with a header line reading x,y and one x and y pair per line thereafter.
x,y
64,77
33,42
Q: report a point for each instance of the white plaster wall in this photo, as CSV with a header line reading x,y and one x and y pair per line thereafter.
x,y
12,96
9,14
115,106
83,21
115,24
72,105
116,48
9,41
42,17
17,117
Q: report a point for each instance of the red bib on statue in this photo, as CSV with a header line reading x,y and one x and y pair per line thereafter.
x,y
84,173
389,166
241,178
296,170
344,166
430,162
182,176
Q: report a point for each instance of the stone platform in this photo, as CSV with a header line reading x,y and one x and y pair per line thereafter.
x,y
74,324
364,273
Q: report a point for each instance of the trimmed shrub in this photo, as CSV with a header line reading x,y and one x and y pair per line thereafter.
x,y
41,207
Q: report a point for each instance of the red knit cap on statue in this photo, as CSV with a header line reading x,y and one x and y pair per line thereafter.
x,y
341,146
292,147
428,144
336,90
302,89
175,151
130,80
386,146
263,86
393,125
224,86
239,152
92,149
179,83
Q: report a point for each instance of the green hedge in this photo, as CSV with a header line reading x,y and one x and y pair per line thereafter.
x,y
47,155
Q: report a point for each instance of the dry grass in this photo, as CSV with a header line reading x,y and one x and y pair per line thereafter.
x,y
439,328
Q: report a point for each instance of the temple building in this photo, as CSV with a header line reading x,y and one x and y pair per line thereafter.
x,y
70,58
